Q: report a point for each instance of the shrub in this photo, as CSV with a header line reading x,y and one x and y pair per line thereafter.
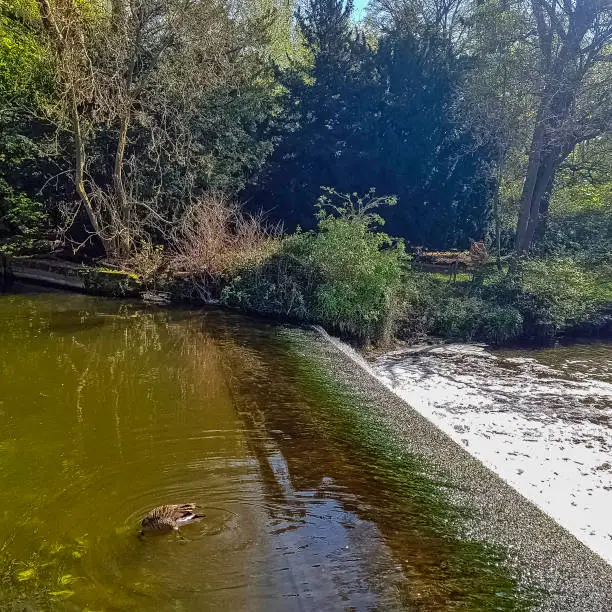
x,y
347,275
23,221
148,262
216,239
473,318
539,300
500,324
282,285
423,293
553,294
585,234
361,267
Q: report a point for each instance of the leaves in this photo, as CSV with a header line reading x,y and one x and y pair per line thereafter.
x,y
381,114
62,594
66,579
26,574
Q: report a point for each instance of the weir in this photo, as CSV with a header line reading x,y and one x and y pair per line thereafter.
x,y
540,537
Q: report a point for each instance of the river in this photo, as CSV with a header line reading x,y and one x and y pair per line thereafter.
x,y
109,408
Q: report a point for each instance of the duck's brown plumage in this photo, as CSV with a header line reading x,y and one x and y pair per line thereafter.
x,y
171,516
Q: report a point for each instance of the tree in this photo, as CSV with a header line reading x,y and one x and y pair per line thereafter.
x,y
322,86
24,83
421,150
141,87
377,115
497,101
574,105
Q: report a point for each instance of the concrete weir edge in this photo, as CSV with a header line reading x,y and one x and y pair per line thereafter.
x,y
573,577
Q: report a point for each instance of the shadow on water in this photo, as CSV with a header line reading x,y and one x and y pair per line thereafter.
x,y
330,452
109,409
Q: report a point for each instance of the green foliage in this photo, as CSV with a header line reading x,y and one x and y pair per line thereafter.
x,y
321,103
585,235
351,277
541,299
348,275
565,290
553,295
458,311
23,69
22,220
280,44
582,197
473,318
279,286
382,114
24,84
580,223
110,282
360,266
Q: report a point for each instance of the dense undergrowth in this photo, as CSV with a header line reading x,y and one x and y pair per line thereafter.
x,y
138,164
540,300
347,275
356,281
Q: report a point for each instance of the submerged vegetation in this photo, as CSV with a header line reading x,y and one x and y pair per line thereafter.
x,y
358,423
132,140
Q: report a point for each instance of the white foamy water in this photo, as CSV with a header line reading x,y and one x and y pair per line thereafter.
x,y
545,429
545,432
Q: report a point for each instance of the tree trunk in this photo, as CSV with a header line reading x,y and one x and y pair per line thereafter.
x,y
124,238
542,225
52,27
79,180
521,244
497,205
545,158
125,231
546,174
563,70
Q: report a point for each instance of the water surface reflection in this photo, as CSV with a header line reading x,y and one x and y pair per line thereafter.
x,y
109,409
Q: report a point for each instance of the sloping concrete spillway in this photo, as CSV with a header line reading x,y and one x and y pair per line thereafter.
x,y
525,438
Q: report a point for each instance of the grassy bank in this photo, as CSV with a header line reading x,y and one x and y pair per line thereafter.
x,y
356,281
352,278
540,300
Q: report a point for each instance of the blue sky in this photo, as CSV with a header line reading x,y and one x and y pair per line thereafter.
x,y
360,7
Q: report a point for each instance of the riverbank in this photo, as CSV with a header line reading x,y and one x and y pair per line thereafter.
x,y
427,307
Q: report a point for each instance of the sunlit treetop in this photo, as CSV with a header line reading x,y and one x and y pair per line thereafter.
x,y
22,62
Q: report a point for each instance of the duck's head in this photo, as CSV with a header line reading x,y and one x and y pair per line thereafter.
x,y
147,523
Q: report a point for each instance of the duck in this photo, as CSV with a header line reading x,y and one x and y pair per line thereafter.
x,y
169,517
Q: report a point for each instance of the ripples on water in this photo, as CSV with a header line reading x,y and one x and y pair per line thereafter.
x,y
108,410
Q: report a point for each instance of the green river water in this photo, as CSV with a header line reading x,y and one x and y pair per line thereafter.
x,y
110,408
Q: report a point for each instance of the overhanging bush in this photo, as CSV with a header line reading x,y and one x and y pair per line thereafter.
x,y
348,275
